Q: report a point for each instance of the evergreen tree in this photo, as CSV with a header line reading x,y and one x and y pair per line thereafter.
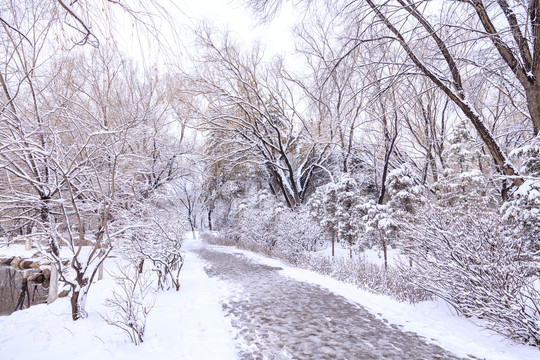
x,y
463,184
523,210
334,205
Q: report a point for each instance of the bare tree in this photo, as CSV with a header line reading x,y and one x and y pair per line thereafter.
x,y
435,48
255,113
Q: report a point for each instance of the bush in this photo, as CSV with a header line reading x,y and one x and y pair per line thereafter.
x,y
356,271
366,275
131,303
480,267
265,225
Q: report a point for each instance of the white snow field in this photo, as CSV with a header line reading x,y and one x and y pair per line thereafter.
x,y
187,325
191,323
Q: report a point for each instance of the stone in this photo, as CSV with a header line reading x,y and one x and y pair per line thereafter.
x,y
6,261
63,294
16,261
37,278
25,264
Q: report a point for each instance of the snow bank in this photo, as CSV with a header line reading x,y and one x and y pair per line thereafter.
x,y
188,324
374,256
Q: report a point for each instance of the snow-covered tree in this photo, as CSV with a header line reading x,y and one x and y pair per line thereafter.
x,y
464,184
523,209
250,109
334,205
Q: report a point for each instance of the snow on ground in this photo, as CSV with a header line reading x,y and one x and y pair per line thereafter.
x,y
188,324
432,320
374,256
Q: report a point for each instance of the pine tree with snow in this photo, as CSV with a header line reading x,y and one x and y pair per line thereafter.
x,y
463,184
523,210
334,206
406,195
385,221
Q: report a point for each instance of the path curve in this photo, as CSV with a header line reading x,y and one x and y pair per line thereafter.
x,y
280,318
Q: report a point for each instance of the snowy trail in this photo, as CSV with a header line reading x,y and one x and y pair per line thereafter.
x,y
278,317
184,325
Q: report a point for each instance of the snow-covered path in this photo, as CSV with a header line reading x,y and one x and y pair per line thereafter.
x,y
278,317
271,314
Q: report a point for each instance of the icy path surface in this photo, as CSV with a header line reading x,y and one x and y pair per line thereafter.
x,y
278,317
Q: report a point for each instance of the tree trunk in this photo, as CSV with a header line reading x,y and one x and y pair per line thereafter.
x,y
385,252
533,103
192,225
75,308
53,286
78,302
210,219
100,272
141,266
24,294
457,97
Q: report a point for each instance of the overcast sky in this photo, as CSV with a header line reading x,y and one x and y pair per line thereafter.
x,y
231,15
235,16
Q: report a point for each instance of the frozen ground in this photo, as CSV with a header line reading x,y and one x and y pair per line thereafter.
x,y
253,307
433,320
184,325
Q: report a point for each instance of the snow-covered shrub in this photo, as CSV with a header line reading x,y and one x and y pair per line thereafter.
x,y
366,275
156,237
162,249
297,233
523,213
131,302
478,265
262,223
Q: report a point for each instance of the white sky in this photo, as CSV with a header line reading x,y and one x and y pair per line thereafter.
x,y
234,16
231,15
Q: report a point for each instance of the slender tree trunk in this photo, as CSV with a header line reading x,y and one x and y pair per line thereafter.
x,y
78,303
457,97
24,294
53,285
533,103
385,252
75,307
100,272
333,241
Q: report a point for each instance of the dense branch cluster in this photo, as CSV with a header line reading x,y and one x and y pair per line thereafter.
x,y
412,128
86,144
409,127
